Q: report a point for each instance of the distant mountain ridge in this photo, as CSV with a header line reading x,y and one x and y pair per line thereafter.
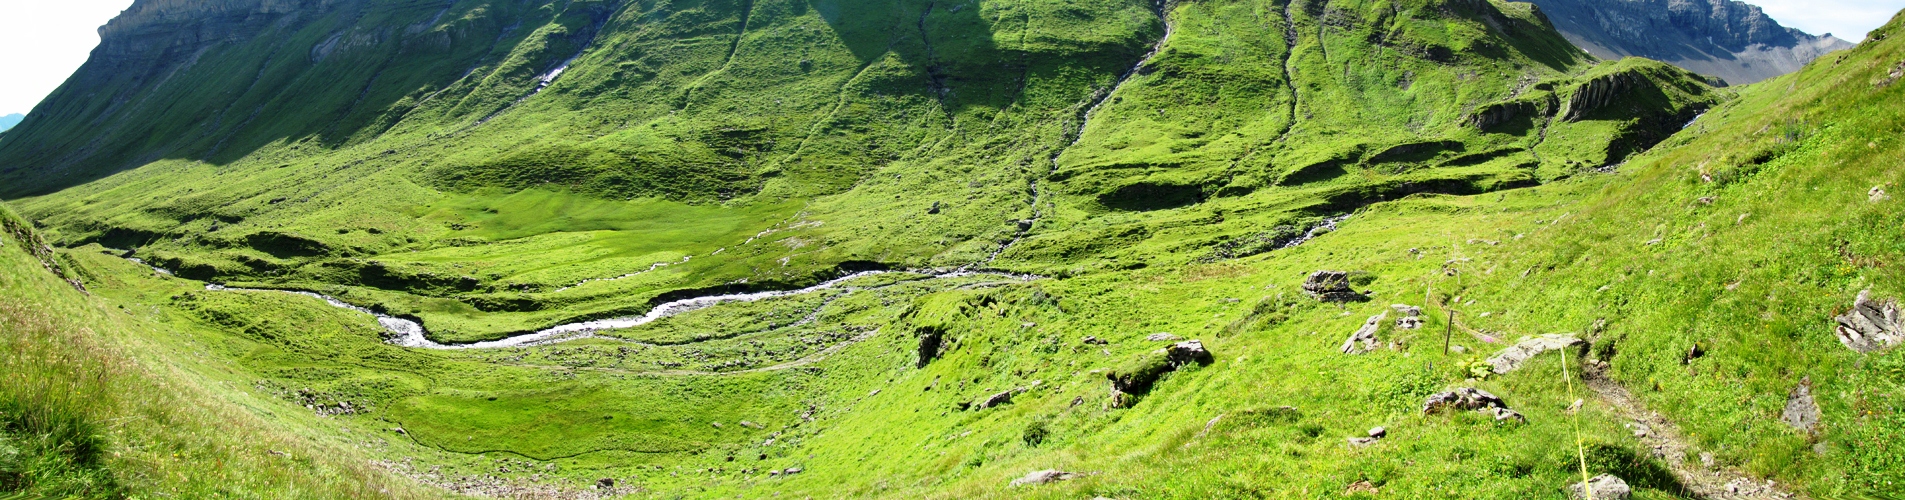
x,y
7,122
1733,40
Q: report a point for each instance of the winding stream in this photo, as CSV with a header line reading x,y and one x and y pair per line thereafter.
x,y
410,333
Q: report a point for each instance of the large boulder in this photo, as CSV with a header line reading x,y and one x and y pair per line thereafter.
x,y
1136,376
1514,356
1870,325
1332,286
1364,339
1603,487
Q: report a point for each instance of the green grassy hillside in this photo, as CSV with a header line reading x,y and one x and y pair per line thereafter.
x,y
794,138
103,400
1116,174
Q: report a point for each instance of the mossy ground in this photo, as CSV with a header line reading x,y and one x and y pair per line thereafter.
x,y
1745,232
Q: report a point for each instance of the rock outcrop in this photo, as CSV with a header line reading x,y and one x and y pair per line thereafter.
x,y
1471,399
1364,339
1514,356
1871,325
1732,40
1332,286
1042,477
1411,316
1802,412
1603,487
931,341
1136,376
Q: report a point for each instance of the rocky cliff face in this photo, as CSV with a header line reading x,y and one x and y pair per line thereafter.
x,y
167,32
1733,40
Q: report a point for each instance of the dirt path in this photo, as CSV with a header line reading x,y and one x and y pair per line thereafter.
x,y
1702,477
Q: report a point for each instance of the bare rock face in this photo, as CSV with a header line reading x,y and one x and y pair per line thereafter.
x,y
1801,411
1514,356
1729,39
1364,340
1870,325
1332,286
1604,487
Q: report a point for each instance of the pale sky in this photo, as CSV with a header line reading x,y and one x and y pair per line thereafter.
x,y
44,41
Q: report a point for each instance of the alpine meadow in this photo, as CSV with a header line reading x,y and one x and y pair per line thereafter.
x,y
1065,249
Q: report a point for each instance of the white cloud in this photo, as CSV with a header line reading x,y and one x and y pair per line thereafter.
x,y
1847,19
44,41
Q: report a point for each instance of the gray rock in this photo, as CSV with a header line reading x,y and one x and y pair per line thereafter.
x,y
1187,352
1514,356
1361,442
1411,316
1000,399
1090,340
1801,411
1870,325
1331,286
1463,399
791,471
1604,487
1364,339
1379,433
1163,337
1042,477
1503,415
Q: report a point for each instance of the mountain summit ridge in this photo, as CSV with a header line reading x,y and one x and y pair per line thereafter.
x,y
1730,39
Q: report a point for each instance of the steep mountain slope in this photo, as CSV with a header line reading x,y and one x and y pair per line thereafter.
x,y
907,135
1729,39
1033,198
7,122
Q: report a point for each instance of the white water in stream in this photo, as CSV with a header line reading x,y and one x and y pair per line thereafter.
x,y
1322,228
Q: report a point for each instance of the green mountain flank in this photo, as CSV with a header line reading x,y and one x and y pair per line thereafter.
x,y
1026,249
